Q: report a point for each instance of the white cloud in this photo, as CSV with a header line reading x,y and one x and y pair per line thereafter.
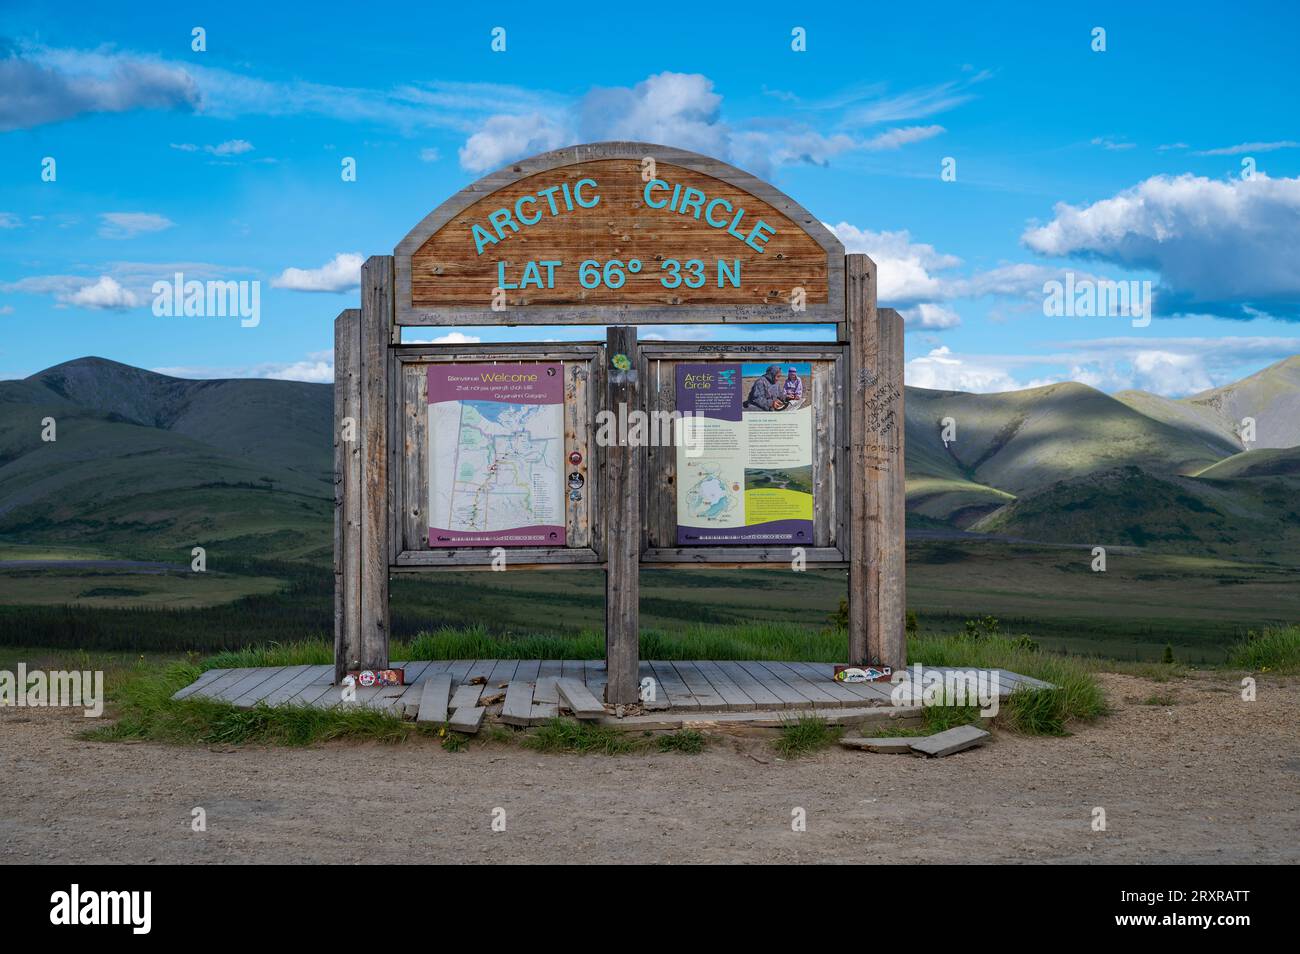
x,y
6,309
930,315
1222,247
341,273
1246,147
1108,142
10,221
231,147
430,155
941,370
904,268
105,294
506,137
918,103
896,138
451,337
125,225
39,85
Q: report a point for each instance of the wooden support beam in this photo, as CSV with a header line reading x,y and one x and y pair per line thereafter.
x,y
347,492
877,490
376,324
622,525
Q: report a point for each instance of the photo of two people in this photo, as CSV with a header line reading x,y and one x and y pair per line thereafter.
x,y
777,387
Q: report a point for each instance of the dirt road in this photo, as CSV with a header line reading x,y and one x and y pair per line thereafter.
x,y
1208,779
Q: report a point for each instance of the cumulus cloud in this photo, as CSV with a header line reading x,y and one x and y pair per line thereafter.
x,y
341,273
681,110
316,368
941,370
905,268
105,293
507,137
40,86
125,225
451,337
1222,247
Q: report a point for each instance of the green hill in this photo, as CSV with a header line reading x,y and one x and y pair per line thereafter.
x,y
146,464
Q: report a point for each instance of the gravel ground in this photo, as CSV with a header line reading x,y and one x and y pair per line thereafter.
x,y
1208,779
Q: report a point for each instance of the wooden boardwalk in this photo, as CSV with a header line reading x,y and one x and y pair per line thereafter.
x,y
525,691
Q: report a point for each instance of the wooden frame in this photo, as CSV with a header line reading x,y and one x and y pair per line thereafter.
x,y
481,314
381,439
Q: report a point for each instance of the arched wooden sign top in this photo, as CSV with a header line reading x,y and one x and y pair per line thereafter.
x,y
619,233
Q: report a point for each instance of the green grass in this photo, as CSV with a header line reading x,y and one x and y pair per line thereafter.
x,y
686,741
145,710
1076,696
1272,650
805,735
582,738
1159,700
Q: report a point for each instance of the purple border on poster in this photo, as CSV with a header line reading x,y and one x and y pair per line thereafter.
x,y
712,390
541,535
509,383
795,533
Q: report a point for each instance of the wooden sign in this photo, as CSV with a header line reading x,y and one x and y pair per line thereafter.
x,y
619,232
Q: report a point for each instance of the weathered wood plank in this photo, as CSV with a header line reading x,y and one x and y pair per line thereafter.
x,y
699,685
256,694
466,696
347,492
731,693
376,320
414,442
467,719
518,708
207,676
227,678
578,699
314,675
953,740
671,687
254,679
763,697
435,694
622,501
822,696
792,697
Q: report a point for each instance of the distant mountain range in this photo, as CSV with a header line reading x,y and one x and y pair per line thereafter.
x,y
148,464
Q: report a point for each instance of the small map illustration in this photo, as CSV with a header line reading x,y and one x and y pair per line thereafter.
x,y
502,467
710,496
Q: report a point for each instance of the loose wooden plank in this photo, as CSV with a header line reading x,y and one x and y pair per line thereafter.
x,y
518,708
466,696
954,740
891,746
467,719
435,694
578,699
528,670
543,712
501,674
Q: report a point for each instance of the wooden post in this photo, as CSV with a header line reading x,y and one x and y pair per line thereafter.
x,y
877,491
622,525
347,493
376,331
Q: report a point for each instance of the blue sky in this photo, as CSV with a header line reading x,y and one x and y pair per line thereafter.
x,y
1122,164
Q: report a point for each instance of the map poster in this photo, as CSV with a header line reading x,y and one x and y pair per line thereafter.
x,y
496,446
744,453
